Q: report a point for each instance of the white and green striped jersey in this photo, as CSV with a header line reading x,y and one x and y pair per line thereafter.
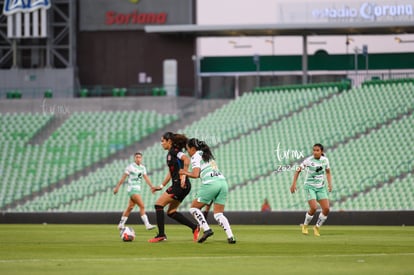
x,y
208,170
135,173
315,170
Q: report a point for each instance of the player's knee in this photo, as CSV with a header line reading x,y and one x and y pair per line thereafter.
x,y
312,209
171,214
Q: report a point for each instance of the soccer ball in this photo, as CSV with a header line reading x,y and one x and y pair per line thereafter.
x,y
127,234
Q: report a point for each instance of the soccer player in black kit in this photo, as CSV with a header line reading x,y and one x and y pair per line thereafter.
x,y
179,188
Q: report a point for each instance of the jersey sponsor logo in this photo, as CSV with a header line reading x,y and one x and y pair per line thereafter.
x,y
14,6
215,174
137,177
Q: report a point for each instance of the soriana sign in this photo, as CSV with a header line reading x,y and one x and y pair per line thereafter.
x,y
106,15
134,17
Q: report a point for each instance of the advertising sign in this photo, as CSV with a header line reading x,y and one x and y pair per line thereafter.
x,y
133,14
348,11
26,18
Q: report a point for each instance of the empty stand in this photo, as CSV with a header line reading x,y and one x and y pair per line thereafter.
x,y
83,139
259,138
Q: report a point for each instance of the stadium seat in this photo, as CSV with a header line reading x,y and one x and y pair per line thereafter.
x,y
70,148
48,94
84,92
351,125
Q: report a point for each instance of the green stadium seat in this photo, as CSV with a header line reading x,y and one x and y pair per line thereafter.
x,y
156,91
70,148
246,149
48,94
122,92
115,92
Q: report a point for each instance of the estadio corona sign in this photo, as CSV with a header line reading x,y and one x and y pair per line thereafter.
x,y
133,14
367,11
347,11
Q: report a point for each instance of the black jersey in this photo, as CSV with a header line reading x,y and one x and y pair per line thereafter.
x,y
175,163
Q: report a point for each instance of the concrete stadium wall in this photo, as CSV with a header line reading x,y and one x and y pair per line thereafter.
x,y
65,106
396,218
33,82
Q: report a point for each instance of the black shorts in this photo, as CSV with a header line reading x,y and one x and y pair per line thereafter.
x,y
178,193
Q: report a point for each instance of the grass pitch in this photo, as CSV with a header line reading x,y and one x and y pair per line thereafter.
x,y
97,249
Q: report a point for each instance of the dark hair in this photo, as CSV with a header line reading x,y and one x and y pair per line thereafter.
x,y
167,135
138,153
178,140
320,147
201,145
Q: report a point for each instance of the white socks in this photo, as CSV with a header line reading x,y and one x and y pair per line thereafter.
x,y
308,219
223,222
123,221
321,219
198,215
219,217
144,219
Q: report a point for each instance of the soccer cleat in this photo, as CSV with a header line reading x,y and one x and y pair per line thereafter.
x,y
196,233
305,229
316,231
231,240
158,239
205,236
150,227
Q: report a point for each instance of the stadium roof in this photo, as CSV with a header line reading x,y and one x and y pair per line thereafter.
x,y
332,28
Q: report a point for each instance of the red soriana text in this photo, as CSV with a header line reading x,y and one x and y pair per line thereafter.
x,y
115,18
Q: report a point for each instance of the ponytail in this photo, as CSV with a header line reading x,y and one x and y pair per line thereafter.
x,y
202,146
178,140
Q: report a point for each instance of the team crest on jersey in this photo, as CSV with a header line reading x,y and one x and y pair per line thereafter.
x,y
13,6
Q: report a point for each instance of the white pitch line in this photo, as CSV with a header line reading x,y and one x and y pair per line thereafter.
x,y
201,258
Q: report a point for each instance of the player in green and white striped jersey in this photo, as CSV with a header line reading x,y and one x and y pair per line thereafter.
x,y
214,188
135,172
316,167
